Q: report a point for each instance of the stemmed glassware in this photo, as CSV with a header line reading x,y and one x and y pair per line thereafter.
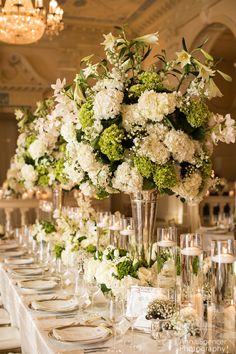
x,y
92,289
115,314
132,314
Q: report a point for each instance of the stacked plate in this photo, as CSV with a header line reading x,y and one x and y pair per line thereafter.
x,y
19,261
37,284
26,272
55,305
81,334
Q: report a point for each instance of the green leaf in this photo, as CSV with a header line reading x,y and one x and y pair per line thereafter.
x,y
225,76
184,45
207,55
87,58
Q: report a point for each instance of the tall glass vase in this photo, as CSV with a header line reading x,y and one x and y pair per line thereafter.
x,y
57,200
144,210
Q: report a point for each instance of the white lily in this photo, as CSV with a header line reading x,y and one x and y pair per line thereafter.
x,y
183,58
151,38
109,41
204,71
213,89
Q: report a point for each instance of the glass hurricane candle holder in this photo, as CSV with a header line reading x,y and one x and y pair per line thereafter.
x,y
103,223
126,238
191,266
115,228
223,258
166,259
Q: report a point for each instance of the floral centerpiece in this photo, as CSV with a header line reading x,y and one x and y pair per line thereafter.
x,y
137,129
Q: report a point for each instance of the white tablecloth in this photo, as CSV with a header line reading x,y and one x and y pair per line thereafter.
x,y
34,328
35,339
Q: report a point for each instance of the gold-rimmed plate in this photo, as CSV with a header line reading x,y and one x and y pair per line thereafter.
x,y
79,333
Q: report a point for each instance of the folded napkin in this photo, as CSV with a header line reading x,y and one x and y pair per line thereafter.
x,y
9,338
80,333
37,284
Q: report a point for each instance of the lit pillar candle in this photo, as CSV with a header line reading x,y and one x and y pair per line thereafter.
x,y
198,303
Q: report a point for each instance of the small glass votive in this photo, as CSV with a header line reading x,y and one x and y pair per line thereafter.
x,y
191,265
166,259
126,233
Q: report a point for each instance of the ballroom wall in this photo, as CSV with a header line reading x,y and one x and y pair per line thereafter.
x,y
26,72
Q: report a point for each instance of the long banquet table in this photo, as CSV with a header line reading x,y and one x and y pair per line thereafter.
x,y
35,326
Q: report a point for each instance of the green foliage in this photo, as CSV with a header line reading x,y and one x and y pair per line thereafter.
x,y
144,165
86,115
162,258
197,113
165,176
105,289
206,168
101,193
195,265
110,142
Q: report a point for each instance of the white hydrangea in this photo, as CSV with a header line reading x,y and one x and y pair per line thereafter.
x,y
151,147
29,175
87,189
155,106
37,148
132,120
189,187
127,179
159,130
180,145
87,158
108,84
68,131
73,172
100,177
107,103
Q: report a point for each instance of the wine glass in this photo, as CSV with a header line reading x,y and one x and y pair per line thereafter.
x,y
92,289
133,311
116,313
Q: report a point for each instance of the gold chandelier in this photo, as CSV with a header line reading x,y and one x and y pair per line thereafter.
x,y
23,23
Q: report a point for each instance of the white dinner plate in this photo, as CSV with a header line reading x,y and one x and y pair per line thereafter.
x,y
27,271
19,261
82,334
57,305
12,254
8,246
39,284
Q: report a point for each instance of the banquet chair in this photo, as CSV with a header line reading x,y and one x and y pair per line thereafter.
x,y
9,340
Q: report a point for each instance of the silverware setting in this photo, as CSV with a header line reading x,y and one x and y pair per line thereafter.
x,y
96,349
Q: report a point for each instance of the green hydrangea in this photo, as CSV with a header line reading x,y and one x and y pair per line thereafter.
x,y
110,142
29,140
165,176
147,81
91,248
126,268
42,170
59,171
197,113
86,115
48,227
58,248
144,165
43,181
